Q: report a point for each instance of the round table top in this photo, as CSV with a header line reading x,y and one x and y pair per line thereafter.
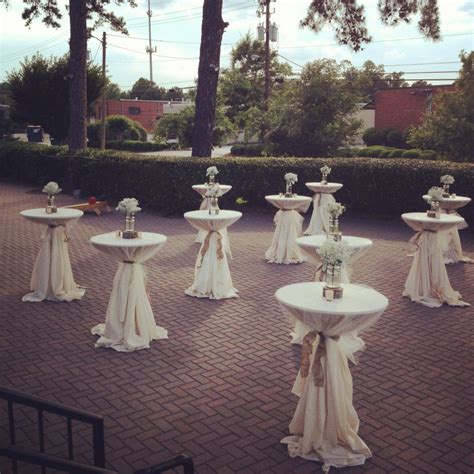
x,y
283,202
202,188
319,187
451,203
202,220
316,241
308,297
40,216
111,239
432,223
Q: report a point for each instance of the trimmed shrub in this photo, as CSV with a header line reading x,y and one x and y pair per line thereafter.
x,y
254,149
396,153
119,174
372,136
137,146
428,155
411,153
394,139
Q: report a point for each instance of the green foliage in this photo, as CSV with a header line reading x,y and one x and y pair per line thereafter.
x,y
144,89
449,129
180,125
119,128
254,149
396,153
389,137
312,116
411,154
136,146
39,93
372,136
252,178
394,139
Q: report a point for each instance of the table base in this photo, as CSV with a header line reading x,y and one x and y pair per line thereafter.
x,y
319,223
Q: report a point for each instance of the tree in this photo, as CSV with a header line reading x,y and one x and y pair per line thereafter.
x,y
312,115
80,11
37,92
347,17
420,83
241,87
212,29
449,129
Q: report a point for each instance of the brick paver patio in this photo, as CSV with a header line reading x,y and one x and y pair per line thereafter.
x,y
219,387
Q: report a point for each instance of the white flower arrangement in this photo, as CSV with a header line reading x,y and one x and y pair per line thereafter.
x,y
128,206
447,179
325,169
211,171
52,188
214,191
435,193
334,253
336,209
291,178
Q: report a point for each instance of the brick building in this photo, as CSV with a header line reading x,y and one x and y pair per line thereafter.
x,y
403,107
146,112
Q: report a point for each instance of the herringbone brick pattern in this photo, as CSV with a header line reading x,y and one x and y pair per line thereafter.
x,y
219,387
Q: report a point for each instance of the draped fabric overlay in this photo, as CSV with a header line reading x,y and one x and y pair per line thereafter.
x,y
428,281
319,223
289,226
52,277
201,189
129,322
310,245
212,277
449,239
325,424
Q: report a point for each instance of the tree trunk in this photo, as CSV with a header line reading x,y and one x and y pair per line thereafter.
x,y
78,76
209,61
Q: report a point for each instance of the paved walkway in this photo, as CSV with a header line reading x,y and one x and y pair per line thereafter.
x,y
219,387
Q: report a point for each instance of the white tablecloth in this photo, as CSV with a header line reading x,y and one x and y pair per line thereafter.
x,y
52,277
201,235
428,281
449,239
212,277
325,424
319,223
289,226
129,323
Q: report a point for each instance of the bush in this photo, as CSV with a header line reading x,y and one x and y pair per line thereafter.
x,y
428,155
119,128
254,149
411,154
394,139
366,180
137,146
372,136
397,153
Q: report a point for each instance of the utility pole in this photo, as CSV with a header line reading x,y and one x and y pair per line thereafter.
x,y
267,52
149,49
104,92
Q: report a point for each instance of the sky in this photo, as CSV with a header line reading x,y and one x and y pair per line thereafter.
x,y
176,33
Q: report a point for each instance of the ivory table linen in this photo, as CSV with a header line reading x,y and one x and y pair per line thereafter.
x,y
212,277
428,281
129,323
319,223
202,189
325,424
52,277
449,239
289,226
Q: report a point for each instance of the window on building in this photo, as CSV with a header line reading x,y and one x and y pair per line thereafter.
x,y
134,111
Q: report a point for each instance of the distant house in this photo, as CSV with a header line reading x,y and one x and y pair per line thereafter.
x,y
146,112
406,106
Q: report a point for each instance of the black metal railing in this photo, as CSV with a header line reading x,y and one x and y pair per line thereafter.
x,y
182,460
97,422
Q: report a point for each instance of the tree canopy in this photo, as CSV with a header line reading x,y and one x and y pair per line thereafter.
x,y
145,89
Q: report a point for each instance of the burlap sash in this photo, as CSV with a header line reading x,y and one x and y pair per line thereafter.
x,y
317,369
206,243
53,226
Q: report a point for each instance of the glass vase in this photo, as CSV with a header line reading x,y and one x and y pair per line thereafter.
x,y
213,206
289,189
332,288
446,192
211,179
130,232
434,210
51,208
324,179
334,232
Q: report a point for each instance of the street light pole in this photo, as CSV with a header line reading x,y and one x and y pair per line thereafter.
x,y
267,52
104,92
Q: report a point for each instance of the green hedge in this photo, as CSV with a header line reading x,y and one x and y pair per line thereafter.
x,y
253,149
164,183
136,146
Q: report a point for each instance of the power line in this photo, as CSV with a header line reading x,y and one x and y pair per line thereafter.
x,y
23,51
163,41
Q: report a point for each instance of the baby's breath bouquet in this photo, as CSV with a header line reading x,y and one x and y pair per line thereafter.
x,y
334,255
211,173
435,195
213,193
325,170
446,180
129,206
291,179
336,209
51,189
